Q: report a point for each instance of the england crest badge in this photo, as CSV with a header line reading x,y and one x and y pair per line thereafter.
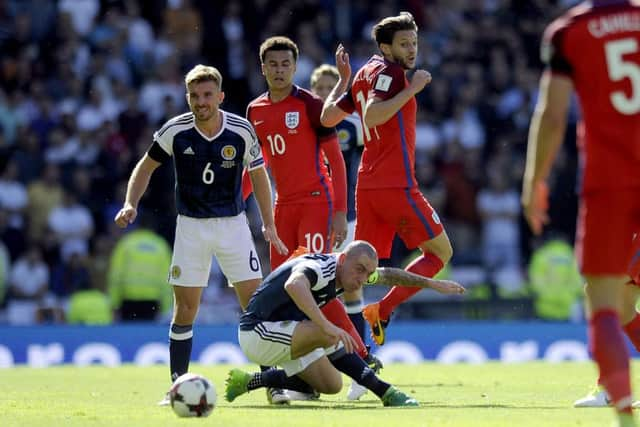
x,y
291,119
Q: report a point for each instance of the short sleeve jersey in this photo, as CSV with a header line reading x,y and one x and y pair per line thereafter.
x,y
208,170
291,137
388,159
597,45
272,303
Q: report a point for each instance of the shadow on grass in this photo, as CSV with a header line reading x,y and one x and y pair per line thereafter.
x,y
487,406
410,385
372,404
327,406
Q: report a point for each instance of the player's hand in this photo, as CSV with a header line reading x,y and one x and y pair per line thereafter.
x,y
340,335
535,202
339,228
447,287
271,235
125,216
419,80
342,63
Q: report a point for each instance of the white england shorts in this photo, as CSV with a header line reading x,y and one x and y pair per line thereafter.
x,y
227,238
269,344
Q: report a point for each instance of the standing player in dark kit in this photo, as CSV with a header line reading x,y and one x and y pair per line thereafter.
x,y
210,149
284,324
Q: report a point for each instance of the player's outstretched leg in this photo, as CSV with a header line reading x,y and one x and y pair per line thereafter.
x,y
395,397
353,365
276,396
236,384
356,390
240,382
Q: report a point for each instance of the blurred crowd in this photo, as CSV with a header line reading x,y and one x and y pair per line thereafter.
x,y
85,83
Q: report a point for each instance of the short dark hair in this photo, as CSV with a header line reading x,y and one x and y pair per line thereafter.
x,y
278,43
384,30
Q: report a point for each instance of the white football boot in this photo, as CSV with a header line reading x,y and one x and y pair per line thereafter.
x,y
356,391
277,396
166,400
598,398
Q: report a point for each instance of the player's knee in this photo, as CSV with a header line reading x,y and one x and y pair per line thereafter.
x,y
331,384
186,310
328,341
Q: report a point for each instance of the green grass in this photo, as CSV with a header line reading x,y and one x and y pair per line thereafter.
x,y
493,394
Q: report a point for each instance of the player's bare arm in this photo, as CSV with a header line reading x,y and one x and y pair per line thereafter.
x,y
390,276
331,113
299,289
138,183
377,111
546,134
262,192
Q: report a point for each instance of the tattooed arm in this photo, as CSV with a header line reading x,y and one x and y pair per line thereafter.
x,y
391,276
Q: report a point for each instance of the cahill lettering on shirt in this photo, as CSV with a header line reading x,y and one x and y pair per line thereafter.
x,y
611,24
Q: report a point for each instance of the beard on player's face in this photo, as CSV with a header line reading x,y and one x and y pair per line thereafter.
x,y
203,113
405,63
402,59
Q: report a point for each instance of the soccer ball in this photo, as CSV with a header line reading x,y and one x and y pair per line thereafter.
x,y
192,395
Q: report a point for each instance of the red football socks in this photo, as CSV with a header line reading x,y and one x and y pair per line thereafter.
x,y
335,312
426,265
610,353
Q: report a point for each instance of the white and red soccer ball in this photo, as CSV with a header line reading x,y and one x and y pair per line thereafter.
x,y
192,395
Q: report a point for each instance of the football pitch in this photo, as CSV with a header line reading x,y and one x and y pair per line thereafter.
x,y
491,394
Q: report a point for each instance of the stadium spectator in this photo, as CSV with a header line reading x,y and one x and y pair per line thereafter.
x,y
28,287
499,208
385,100
89,306
45,193
607,147
137,276
14,239
67,276
13,195
82,13
28,157
5,271
556,281
71,225
211,219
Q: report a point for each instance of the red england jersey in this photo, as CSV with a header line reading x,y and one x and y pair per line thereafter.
x,y
291,137
388,159
597,45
